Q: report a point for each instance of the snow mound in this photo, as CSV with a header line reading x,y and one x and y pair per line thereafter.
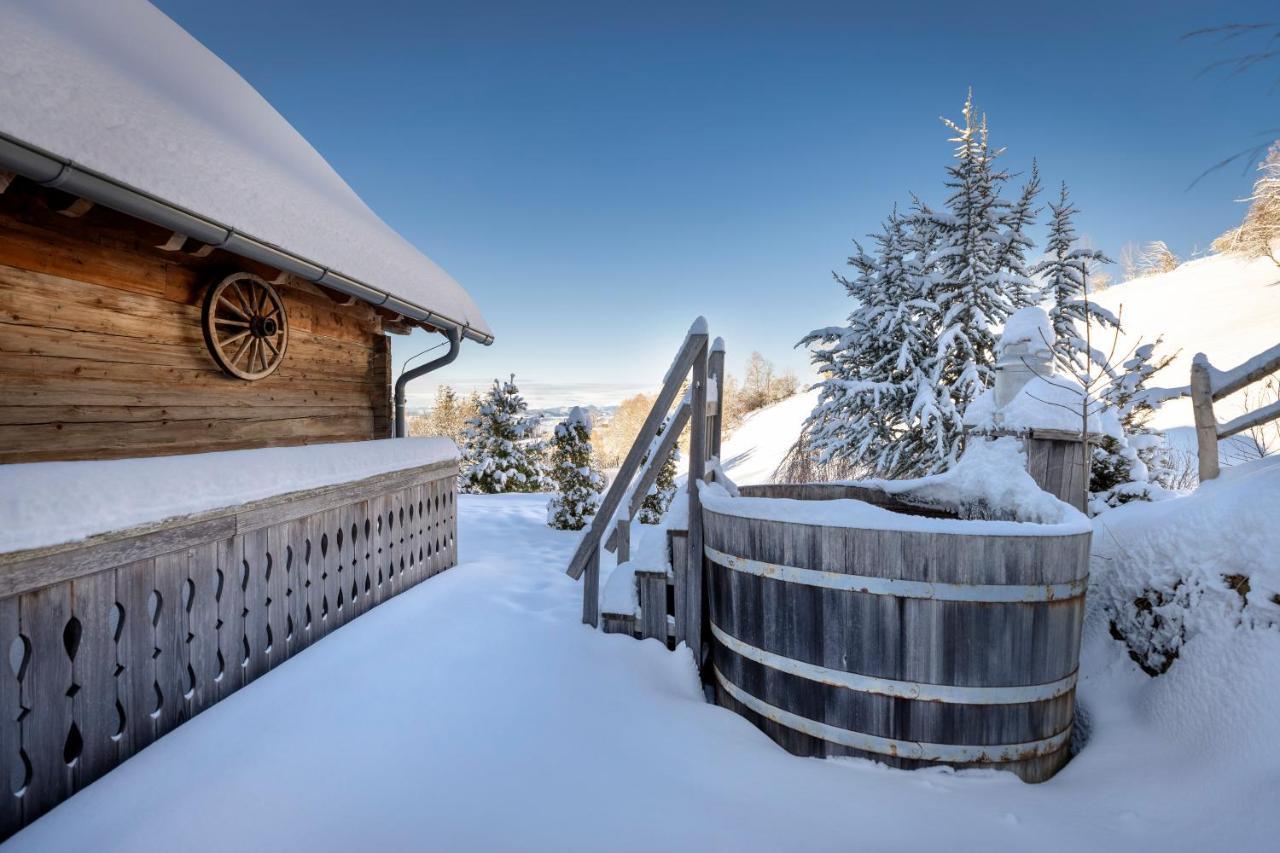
x,y
1028,326
1043,403
1203,565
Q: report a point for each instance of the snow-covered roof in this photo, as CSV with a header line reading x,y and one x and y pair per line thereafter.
x,y
132,103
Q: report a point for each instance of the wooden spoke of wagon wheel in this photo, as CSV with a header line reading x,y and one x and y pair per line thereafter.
x,y
245,325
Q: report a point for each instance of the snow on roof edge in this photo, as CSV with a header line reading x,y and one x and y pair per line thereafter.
x,y
119,104
72,177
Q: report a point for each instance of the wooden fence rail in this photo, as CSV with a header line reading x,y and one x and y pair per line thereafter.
x,y
115,641
1208,385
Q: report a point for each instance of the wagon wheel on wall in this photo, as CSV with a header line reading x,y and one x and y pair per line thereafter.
x,y
245,326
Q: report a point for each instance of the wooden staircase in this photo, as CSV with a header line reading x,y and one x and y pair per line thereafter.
x,y
669,595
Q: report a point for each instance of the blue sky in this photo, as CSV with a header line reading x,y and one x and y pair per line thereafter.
x,y
597,174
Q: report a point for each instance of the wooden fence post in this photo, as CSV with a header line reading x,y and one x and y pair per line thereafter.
x,y
697,470
715,368
1206,422
591,590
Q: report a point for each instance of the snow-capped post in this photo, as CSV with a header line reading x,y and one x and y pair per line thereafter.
x,y
715,369
1047,409
1021,355
697,471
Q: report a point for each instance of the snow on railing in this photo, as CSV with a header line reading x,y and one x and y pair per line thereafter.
x,y
1208,385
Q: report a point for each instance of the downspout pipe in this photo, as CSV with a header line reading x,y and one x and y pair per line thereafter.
x,y
455,346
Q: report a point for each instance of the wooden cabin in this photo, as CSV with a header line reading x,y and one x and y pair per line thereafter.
x,y
135,260
183,277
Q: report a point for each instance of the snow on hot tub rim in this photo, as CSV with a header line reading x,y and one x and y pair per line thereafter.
x,y
859,515
991,474
46,504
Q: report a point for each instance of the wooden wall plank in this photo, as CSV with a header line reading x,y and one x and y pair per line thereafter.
x,y
253,581
13,767
135,663
170,640
230,624
203,565
93,601
102,356
46,725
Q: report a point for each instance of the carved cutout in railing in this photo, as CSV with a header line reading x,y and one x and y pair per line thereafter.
x,y
114,653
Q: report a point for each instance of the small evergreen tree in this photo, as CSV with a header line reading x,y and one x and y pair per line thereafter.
x,y
1124,470
658,500
502,453
1065,274
573,468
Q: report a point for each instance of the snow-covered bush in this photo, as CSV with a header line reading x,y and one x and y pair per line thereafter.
x,y
502,454
573,468
1135,465
1166,573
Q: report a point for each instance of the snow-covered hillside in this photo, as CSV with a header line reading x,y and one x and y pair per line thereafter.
x,y
1224,306
753,451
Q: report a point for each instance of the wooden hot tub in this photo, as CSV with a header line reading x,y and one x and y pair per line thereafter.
x,y
905,636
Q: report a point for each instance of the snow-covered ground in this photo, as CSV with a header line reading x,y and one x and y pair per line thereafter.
x,y
474,712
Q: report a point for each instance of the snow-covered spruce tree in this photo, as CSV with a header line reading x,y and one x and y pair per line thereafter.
x,y
573,468
658,500
975,277
870,368
502,454
1064,274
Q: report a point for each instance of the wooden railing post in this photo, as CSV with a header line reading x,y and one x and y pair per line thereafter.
x,y
715,368
697,470
1206,422
591,590
622,534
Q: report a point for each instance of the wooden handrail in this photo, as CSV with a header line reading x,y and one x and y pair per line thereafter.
x,y
652,467
586,559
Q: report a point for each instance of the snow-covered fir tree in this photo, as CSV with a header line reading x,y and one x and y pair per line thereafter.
x,y
573,468
502,453
974,277
1064,275
870,367
658,500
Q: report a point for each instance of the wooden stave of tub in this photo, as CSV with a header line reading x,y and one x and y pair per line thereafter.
x,y
835,635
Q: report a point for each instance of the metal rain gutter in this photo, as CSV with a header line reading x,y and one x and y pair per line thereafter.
x,y
455,344
52,171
